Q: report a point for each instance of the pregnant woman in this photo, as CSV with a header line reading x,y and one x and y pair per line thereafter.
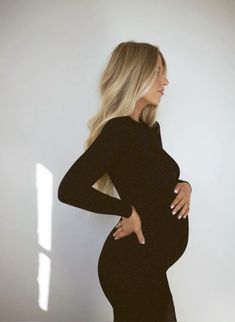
x,y
124,150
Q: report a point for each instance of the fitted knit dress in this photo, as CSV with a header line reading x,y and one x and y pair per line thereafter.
x,y
132,275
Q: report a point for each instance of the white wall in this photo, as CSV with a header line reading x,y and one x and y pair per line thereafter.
x,y
51,55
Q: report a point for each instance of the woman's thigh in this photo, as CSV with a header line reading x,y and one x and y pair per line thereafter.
x,y
139,295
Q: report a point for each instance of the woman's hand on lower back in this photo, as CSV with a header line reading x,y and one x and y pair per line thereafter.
x,y
130,225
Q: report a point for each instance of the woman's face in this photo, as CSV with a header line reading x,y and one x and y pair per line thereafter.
x,y
155,93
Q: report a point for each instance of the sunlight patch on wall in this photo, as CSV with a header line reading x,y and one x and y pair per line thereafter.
x,y
44,185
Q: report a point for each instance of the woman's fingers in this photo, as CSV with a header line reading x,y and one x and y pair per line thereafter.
x,y
177,205
183,206
140,236
176,201
184,211
186,214
181,202
118,225
120,233
117,232
129,225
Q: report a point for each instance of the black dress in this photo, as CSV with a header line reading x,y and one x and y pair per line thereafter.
x,y
132,275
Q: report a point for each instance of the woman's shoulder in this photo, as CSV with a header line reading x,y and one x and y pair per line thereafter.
x,y
117,123
117,120
119,129
126,123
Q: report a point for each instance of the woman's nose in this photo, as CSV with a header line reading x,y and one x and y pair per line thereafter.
x,y
165,81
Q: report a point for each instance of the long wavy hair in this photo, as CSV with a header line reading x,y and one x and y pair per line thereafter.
x,y
129,74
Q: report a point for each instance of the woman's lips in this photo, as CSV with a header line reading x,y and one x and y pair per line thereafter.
x,y
161,92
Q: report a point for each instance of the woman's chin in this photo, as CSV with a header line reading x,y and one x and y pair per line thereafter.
x,y
156,102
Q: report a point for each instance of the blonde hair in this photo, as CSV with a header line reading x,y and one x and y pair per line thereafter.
x,y
128,76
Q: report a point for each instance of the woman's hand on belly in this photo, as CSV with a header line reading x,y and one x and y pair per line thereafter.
x,y
182,200
130,225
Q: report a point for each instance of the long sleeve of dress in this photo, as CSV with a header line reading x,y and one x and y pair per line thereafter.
x,y
76,186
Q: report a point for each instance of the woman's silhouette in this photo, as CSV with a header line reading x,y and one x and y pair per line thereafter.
x,y
124,150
